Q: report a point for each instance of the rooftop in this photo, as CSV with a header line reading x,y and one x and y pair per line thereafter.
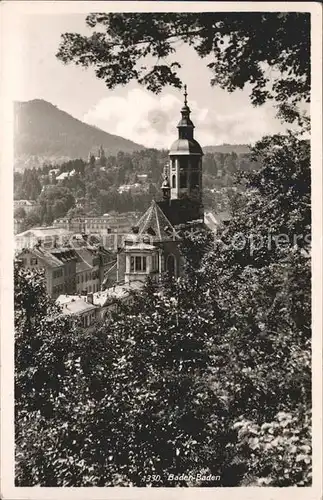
x,y
185,147
155,223
116,292
74,304
25,202
43,254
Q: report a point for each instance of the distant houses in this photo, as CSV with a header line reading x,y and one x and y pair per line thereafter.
x,y
48,236
110,228
27,205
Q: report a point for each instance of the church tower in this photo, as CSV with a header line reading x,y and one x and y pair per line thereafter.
x,y
154,248
185,169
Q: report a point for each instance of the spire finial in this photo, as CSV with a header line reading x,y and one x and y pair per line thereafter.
x,y
185,95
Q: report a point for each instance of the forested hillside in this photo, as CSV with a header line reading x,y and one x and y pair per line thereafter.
x,y
94,189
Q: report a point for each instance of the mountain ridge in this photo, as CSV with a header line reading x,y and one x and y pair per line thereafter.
x,y
44,131
46,134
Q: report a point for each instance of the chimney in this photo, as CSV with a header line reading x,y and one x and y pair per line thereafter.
x,y
89,298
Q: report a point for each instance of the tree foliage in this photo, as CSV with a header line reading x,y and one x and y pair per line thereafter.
x,y
239,48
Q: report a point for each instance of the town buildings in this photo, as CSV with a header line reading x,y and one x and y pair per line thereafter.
x,y
80,309
88,275
74,267
48,236
110,228
58,265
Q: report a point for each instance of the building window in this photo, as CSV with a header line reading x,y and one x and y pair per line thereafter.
x,y
138,263
183,163
173,164
33,261
173,181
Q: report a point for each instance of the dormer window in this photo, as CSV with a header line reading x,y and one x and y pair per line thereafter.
x,y
151,231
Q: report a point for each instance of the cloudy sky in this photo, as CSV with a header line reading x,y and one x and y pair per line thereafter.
x,y
131,111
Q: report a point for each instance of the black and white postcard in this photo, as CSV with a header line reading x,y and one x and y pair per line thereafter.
x,y
161,272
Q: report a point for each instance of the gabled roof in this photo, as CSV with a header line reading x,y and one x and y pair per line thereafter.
x,y
44,255
155,223
85,254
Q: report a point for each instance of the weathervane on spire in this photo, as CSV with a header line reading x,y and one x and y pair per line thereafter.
x,y
185,95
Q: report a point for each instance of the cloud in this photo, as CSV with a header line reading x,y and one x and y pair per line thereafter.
x,y
151,120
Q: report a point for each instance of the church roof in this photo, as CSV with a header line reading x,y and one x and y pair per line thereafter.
x,y
155,223
185,146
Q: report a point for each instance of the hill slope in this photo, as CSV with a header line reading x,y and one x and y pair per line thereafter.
x,y
228,148
44,131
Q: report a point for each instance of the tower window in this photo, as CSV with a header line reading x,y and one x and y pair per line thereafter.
x,y
183,180
195,179
183,163
173,181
